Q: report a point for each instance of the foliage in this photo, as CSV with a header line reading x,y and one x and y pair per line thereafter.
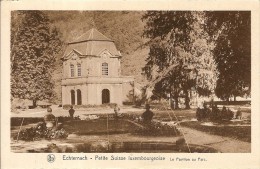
x,y
232,35
158,129
214,114
174,37
40,132
112,24
34,44
153,128
178,37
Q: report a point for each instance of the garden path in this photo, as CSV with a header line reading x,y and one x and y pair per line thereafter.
x,y
223,144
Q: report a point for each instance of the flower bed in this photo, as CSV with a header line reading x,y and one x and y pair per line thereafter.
x,y
41,132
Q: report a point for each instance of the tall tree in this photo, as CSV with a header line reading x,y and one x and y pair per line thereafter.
x,y
232,32
34,44
179,38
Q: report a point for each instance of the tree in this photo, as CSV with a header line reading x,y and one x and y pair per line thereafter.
x,y
179,38
34,44
232,32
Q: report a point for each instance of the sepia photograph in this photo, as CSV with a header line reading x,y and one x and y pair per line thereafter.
x,y
126,81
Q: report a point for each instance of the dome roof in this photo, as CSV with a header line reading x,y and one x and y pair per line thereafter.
x,y
91,35
92,43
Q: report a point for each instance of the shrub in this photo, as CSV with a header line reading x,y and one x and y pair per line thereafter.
x,y
128,103
158,129
39,132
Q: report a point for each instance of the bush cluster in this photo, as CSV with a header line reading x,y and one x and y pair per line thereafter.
x,y
214,114
41,132
158,129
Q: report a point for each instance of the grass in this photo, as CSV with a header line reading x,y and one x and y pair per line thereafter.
x,y
100,126
242,133
166,115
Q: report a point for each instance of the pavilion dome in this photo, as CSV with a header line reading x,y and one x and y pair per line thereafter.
x,y
92,43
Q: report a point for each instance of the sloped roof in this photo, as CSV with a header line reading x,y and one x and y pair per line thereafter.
x,y
92,43
92,34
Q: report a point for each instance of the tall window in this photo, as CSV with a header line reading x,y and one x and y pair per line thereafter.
x,y
104,69
79,69
79,99
72,70
72,97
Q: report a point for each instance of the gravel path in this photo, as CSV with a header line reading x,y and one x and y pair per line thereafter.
x,y
58,111
223,144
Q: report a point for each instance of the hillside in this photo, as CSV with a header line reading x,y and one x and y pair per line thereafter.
x,y
124,27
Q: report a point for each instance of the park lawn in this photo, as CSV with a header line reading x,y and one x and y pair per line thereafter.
x,y
180,114
242,133
166,115
99,126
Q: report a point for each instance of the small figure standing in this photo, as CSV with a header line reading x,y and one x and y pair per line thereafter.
x,y
71,112
148,114
49,119
116,110
223,111
239,114
206,111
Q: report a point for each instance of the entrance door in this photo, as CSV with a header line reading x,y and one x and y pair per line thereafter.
x,y
105,96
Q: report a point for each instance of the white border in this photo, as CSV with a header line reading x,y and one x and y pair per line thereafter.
x,y
38,160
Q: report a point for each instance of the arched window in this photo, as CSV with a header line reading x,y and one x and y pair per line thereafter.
x,y
79,69
71,70
104,69
72,95
79,98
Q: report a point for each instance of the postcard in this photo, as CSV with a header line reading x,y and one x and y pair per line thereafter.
x,y
130,84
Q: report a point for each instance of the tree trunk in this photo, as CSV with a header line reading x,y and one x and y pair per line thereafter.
x,y
176,101
187,99
227,101
235,98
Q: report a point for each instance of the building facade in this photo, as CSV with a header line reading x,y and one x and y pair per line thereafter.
x,y
92,72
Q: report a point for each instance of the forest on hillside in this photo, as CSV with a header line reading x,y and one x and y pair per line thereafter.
x,y
209,49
